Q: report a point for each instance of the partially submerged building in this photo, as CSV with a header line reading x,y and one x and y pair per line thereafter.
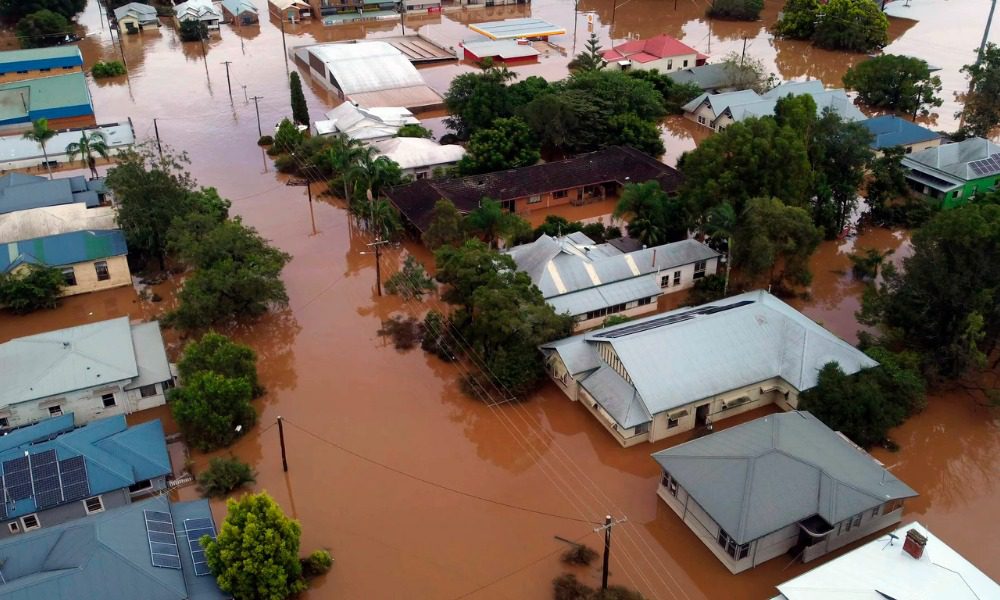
x,y
95,370
662,53
528,28
136,17
292,11
18,65
90,260
44,221
204,11
658,376
592,281
62,99
19,191
241,12
890,131
54,472
954,173
16,152
711,78
365,124
500,51
419,157
784,483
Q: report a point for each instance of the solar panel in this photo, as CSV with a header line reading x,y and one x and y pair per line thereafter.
x,y
17,477
73,476
76,491
670,320
162,541
48,499
986,166
195,529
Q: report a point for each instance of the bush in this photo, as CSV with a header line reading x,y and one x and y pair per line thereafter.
x,y
209,408
707,289
225,475
265,140
31,288
192,31
568,587
736,10
414,131
284,163
42,28
579,554
217,353
317,563
111,68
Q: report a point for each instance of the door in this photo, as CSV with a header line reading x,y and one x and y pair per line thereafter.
x,y
701,415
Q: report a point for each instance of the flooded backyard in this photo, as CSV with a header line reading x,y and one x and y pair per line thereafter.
x,y
419,491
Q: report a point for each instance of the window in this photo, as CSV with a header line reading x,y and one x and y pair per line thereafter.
x,y
670,63
422,175
737,551
14,527
672,422
29,522
875,511
22,72
677,277
699,269
140,486
534,199
685,63
857,520
108,400
45,70
101,267
643,428
93,505
560,194
69,276
55,411
665,281
701,120
4,422
147,390
168,384
645,301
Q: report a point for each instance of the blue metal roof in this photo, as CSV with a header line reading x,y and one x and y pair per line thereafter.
x,y
890,130
40,58
24,192
63,249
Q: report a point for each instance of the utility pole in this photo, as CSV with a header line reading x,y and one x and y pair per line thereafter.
x,y
121,49
158,146
281,438
986,33
608,524
744,54
284,48
228,83
246,99
614,7
305,182
377,244
256,105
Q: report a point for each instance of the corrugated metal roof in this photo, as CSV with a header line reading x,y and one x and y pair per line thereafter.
x,y
953,159
617,397
367,66
52,53
150,355
63,249
14,148
748,103
890,130
528,27
238,7
603,296
143,12
54,220
503,49
43,93
202,10
415,153
760,476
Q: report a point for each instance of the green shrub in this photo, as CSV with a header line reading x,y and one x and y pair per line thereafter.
x,y
317,563
284,163
111,68
42,28
265,140
414,131
707,289
580,554
192,31
212,410
31,288
225,475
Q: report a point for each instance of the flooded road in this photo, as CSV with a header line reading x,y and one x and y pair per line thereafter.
x,y
437,495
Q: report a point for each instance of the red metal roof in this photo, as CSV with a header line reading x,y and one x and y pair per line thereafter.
x,y
661,46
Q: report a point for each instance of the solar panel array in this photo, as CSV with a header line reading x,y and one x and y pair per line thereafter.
x,y
45,474
670,320
986,166
17,479
73,473
162,541
45,478
196,528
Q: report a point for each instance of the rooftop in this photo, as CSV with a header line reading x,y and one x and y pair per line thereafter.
x,y
503,49
108,556
761,476
748,103
53,220
15,151
616,163
880,569
366,123
238,7
509,29
967,160
750,338
204,10
51,464
413,153
21,192
12,60
890,130
82,357
63,249
143,12
20,98
650,49
707,77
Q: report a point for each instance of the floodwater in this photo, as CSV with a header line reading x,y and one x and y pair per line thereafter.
x,y
418,490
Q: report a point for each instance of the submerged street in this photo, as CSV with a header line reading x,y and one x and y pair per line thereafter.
x,y
418,490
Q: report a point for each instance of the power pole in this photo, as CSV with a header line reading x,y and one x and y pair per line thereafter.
x,y
121,49
378,262
744,54
281,438
256,105
608,524
158,146
284,48
228,83
986,33
305,182
246,99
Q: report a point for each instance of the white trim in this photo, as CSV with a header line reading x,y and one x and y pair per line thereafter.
x,y
38,522
100,501
14,527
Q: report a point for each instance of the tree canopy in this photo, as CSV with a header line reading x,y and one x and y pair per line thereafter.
x,y
31,288
981,113
590,59
736,10
300,110
505,144
852,25
42,28
490,222
654,218
216,353
445,226
13,10
840,151
776,240
209,407
901,84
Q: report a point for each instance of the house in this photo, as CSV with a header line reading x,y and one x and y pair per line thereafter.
x,y
365,124
489,3
90,260
198,10
149,549
293,11
369,74
954,173
528,28
592,281
19,191
539,190
718,111
40,222
93,370
500,51
710,78
784,483
54,473
16,152
655,377
326,8
909,563
241,12
135,17
420,6
419,157
662,52
18,65
890,131
62,99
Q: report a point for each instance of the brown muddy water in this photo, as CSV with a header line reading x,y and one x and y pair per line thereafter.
x,y
435,520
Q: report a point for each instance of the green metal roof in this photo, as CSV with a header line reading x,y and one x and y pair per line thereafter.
x,y
13,56
45,93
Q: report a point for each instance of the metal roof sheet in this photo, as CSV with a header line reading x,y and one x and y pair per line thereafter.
x,y
503,49
953,159
367,66
64,55
617,397
415,153
53,220
63,249
761,476
143,12
43,93
890,130
528,27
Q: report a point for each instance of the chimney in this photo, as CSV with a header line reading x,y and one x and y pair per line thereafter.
x,y
914,544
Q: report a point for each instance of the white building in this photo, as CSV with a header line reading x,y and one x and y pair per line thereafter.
x,y
669,373
94,370
53,220
662,53
418,157
365,124
591,281
199,10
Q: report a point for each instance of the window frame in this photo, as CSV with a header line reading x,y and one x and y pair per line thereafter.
x,y
102,270
4,421
56,411
14,527
677,278
105,397
37,525
144,388
69,276
100,504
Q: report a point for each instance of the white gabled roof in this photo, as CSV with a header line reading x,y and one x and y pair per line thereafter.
x,y
203,10
53,220
414,153
366,123
367,66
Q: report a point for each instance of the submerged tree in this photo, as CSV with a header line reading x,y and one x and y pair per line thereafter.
x,y
981,114
300,110
591,58
212,410
898,83
506,144
776,240
216,353
411,282
445,226
654,218
30,288
90,144
736,10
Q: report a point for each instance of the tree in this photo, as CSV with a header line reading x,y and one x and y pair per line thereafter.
x,y
886,182
747,73
42,28
721,222
560,121
674,95
287,138
630,130
413,130
31,288
736,10
14,10
445,227
981,113
256,554
490,222
209,407
507,144
474,100
112,68
798,19
41,134
654,218
237,274
852,25
591,58
777,240
300,110
898,83
411,282
840,153
193,31
224,475
90,144
216,353
341,156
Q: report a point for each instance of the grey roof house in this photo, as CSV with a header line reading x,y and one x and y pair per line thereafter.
x,y
591,281
662,375
24,192
94,370
785,483
954,173
148,550
53,472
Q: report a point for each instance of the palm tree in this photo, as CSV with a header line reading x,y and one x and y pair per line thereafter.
x,y
385,220
41,134
89,144
721,222
342,155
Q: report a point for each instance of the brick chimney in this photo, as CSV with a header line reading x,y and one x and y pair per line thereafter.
x,y
914,544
